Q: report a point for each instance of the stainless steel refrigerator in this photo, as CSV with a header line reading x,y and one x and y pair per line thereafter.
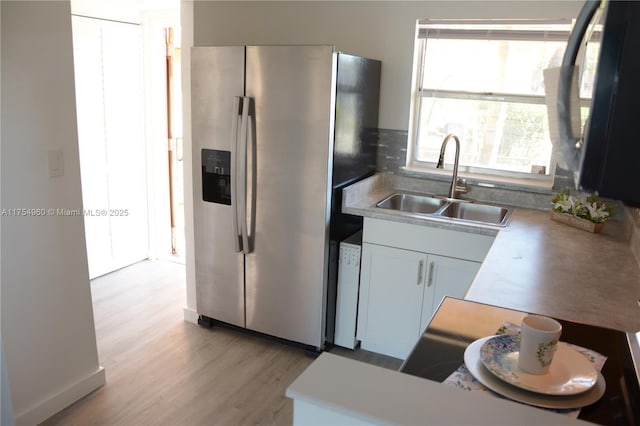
x,y
278,131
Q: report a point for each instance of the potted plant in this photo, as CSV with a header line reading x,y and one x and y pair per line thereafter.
x,y
584,212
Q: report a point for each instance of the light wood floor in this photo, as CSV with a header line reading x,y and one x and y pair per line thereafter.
x,y
162,370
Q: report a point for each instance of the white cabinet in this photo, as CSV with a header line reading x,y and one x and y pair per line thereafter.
x,y
406,271
446,276
390,305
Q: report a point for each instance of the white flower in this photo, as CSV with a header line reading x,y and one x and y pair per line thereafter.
x,y
565,204
596,211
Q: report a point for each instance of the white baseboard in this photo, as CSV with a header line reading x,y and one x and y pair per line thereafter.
x,y
50,406
190,315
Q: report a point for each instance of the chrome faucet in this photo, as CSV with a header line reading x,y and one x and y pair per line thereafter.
x,y
440,165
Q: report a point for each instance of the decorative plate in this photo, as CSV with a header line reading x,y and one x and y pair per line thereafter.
x,y
476,368
570,372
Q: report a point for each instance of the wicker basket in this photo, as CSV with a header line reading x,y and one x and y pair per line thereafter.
x,y
576,222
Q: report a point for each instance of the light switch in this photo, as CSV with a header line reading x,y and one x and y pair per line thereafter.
x,y
55,162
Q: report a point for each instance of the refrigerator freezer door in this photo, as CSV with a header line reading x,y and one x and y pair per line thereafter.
x,y
292,88
217,77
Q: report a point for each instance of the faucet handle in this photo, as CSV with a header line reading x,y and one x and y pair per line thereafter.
x,y
461,186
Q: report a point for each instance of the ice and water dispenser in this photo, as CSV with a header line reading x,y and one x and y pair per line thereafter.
x,y
216,176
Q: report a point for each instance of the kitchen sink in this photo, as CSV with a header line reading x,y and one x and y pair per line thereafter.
x,y
412,203
475,212
457,210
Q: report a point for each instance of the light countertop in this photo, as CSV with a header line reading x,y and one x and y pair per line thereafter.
x,y
538,265
337,390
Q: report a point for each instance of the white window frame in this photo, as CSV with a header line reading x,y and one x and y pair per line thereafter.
x,y
439,28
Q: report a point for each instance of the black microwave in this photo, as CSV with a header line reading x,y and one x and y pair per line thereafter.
x,y
610,157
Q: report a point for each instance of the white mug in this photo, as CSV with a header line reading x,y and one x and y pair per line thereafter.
x,y
538,343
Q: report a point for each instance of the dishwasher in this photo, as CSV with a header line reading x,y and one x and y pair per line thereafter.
x,y
347,292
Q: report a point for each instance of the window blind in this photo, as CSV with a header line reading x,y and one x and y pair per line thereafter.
x,y
523,30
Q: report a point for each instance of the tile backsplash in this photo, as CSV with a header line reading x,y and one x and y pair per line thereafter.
x,y
392,150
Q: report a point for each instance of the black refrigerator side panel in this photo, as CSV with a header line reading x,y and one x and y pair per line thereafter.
x,y
356,134
356,122
611,159
354,158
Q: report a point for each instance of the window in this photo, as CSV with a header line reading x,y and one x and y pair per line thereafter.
x,y
483,81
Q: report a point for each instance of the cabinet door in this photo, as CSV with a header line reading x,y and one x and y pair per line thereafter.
x,y
392,286
446,276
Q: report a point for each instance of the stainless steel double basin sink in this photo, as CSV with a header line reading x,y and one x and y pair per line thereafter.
x,y
447,208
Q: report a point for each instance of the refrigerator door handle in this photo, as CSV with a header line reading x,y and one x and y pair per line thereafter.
x,y
251,173
242,175
237,104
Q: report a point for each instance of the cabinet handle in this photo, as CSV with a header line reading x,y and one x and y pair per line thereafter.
x,y
432,266
420,268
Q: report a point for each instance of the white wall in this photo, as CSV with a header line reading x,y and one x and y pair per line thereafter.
x,y
47,318
6,407
382,30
